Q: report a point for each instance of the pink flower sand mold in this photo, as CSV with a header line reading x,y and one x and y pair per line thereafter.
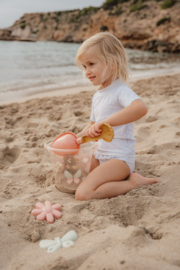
x,y
47,212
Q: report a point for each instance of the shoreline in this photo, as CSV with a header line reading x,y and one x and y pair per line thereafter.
x,y
77,89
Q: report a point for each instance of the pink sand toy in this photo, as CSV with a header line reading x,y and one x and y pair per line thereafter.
x,y
71,162
66,141
47,212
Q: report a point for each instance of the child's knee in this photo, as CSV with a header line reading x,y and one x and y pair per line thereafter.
x,y
82,195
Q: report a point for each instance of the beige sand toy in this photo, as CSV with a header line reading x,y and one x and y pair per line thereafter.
x,y
107,134
71,161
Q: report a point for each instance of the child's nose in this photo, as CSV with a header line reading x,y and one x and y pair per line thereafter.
x,y
88,71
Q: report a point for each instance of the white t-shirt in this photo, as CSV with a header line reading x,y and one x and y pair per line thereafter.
x,y
106,102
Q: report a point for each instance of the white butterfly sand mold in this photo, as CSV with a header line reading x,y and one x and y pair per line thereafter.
x,y
66,241
70,177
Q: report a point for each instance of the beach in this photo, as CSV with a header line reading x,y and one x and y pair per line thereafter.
x,y
139,230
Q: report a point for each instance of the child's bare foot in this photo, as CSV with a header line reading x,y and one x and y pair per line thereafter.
x,y
138,180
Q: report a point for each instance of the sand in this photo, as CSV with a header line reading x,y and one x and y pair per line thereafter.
x,y
139,230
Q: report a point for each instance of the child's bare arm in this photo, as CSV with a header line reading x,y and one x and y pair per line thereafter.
x,y
83,132
133,112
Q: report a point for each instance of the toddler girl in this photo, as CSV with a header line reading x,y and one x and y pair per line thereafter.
x,y
104,61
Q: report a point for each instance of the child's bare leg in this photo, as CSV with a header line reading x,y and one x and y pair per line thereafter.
x,y
105,181
122,187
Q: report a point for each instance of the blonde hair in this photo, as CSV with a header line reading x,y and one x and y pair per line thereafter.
x,y
110,51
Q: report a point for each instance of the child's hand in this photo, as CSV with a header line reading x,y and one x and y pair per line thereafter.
x,y
79,141
94,130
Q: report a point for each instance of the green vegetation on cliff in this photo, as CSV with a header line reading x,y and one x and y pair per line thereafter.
x,y
104,28
168,4
23,24
118,11
83,12
109,4
161,21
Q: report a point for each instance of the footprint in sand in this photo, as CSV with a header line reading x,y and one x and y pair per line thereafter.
x,y
142,133
151,118
9,155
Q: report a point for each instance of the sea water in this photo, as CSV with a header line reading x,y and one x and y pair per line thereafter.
x,y
27,68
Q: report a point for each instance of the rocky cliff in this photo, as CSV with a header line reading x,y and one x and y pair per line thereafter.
x,y
145,25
